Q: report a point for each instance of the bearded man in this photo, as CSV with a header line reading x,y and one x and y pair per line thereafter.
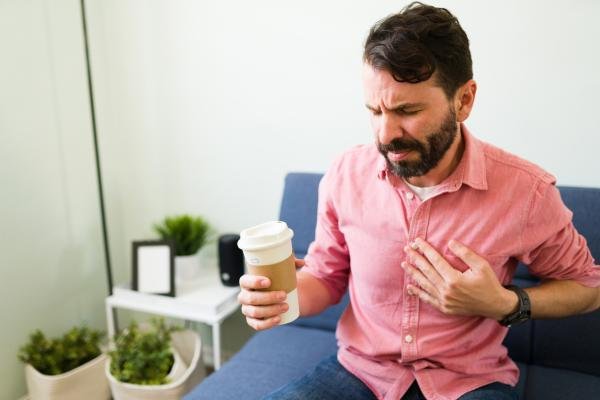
x,y
425,228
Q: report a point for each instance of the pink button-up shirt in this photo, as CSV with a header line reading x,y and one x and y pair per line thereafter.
x,y
506,209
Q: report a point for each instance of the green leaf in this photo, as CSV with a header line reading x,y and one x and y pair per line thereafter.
x,y
189,233
56,356
143,357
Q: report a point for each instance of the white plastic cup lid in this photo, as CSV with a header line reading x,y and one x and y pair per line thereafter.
x,y
264,236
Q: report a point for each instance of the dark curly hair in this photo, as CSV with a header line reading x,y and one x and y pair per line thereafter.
x,y
419,41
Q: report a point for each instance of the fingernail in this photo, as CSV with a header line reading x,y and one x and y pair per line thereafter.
x,y
277,320
264,282
281,296
414,245
406,248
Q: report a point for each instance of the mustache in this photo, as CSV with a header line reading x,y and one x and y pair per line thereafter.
x,y
400,145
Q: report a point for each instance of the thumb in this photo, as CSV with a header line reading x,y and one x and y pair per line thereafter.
x,y
299,262
472,259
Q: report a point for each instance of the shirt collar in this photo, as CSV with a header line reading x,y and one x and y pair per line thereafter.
x,y
470,169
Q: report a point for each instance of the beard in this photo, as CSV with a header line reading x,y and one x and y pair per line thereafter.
x,y
431,151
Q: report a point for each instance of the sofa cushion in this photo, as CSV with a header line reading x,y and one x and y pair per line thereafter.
x,y
267,362
518,342
311,346
327,319
559,384
522,272
568,343
523,369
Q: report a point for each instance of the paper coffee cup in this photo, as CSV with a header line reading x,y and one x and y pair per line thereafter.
x,y
268,252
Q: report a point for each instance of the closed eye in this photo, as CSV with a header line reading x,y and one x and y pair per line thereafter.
x,y
373,110
406,112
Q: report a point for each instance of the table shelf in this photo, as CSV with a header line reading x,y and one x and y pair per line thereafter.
x,y
205,300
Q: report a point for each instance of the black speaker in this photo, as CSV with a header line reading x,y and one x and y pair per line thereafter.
x,y
231,260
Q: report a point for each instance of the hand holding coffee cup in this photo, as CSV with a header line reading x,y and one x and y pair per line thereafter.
x,y
262,308
269,295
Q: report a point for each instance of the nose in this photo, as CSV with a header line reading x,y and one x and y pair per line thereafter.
x,y
389,128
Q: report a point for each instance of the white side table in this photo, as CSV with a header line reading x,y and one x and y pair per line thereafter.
x,y
205,300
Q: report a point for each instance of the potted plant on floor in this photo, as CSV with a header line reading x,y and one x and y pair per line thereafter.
x,y
189,234
65,368
154,362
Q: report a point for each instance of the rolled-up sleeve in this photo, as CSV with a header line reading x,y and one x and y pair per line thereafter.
x,y
552,247
328,258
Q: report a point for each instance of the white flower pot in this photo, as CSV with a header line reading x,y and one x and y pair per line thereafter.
x,y
187,372
187,268
87,381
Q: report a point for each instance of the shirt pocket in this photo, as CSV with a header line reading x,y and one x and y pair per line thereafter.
x,y
497,262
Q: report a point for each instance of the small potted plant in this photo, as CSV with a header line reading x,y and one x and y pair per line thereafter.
x,y
189,234
154,362
65,368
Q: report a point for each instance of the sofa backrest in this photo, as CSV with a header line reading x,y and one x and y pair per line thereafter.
x,y
299,208
573,342
570,343
299,211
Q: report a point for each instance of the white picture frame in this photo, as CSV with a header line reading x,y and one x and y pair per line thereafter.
x,y
153,267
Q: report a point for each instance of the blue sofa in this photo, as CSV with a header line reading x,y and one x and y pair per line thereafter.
x,y
558,359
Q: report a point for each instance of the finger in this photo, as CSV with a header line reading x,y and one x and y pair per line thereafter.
x,y
256,298
262,324
262,312
427,269
248,281
439,263
470,258
421,279
424,296
300,262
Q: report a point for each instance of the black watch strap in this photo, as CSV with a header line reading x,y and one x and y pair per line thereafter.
x,y
523,313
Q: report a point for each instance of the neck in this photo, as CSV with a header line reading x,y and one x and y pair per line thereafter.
x,y
445,167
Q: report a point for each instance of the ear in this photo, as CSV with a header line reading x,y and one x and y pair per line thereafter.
x,y
464,100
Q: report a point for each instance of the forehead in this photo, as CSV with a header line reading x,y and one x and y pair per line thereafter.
x,y
380,87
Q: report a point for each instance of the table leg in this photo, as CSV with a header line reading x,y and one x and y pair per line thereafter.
x,y
110,320
216,339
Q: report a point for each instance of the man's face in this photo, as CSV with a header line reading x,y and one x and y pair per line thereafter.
x,y
414,123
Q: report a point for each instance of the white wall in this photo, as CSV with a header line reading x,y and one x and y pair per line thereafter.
x,y
51,262
204,106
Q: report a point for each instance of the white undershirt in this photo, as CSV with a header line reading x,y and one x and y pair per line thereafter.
x,y
422,192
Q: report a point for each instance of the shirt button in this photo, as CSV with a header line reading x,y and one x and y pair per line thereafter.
x,y
410,195
408,339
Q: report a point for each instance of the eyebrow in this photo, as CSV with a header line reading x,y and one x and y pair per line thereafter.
x,y
399,107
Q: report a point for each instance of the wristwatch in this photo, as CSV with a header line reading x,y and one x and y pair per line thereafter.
x,y
523,313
